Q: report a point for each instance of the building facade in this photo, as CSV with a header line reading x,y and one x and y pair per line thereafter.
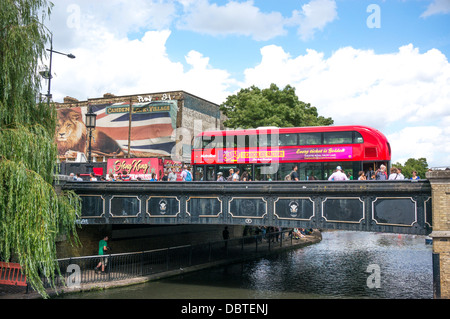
x,y
160,124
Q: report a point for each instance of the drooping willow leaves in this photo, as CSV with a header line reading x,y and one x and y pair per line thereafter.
x,y
32,146
32,213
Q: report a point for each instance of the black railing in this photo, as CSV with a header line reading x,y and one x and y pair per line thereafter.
x,y
403,207
144,263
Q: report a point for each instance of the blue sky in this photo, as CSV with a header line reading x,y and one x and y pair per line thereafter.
x,y
378,63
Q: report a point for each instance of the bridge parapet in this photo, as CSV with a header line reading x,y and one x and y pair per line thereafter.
x,y
378,206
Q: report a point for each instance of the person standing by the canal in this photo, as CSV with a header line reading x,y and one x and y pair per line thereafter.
x,y
102,247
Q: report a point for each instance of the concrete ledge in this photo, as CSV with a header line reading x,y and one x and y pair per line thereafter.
x,y
440,176
440,234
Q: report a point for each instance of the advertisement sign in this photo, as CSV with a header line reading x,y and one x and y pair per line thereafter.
x,y
141,168
148,134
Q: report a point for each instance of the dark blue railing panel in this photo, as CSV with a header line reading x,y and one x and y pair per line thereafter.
x,y
380,206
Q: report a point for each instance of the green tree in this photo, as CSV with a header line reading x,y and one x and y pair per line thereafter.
x,y
32,213
419,165
253,107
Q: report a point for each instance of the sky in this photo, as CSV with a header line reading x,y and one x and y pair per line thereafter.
x,y
383,64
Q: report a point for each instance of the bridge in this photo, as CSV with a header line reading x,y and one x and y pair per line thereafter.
x,y
402,207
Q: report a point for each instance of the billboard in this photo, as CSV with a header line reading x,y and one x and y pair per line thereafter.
x,y
146,132
142,168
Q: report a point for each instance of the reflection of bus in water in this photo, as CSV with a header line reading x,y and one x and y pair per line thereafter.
x,y
269,153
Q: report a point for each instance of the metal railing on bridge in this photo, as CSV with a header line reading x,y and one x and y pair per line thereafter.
x,y
137,264
377,206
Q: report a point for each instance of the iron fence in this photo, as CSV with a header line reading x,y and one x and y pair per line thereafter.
x,y
130,265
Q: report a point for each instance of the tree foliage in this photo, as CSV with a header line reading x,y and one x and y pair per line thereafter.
x,y
253,107
419,165
32,213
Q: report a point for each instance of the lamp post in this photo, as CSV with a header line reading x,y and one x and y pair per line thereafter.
x,y
91,118
48,75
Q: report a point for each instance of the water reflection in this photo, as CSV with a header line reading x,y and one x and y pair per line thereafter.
x,y
334,268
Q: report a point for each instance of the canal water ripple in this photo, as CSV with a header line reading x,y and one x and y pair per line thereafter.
x,y
345,264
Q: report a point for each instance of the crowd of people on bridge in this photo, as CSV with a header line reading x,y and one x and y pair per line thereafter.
x,y
380,174
235,175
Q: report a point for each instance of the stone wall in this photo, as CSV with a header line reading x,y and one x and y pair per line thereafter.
x,y
197,115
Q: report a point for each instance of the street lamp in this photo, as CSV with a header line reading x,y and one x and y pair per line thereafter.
x,y
48,74
91,118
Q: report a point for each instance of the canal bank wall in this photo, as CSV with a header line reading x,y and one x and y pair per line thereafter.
x,y
237,253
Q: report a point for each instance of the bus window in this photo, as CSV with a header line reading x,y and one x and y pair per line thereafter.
x,y
310,138
357,138
225,169
218,141
283,170
198,142
258,175
337,137
198,173
212,141
210,176
287,139
330,167
206,141
230,141
310,171
265,172
253,140
242,140
247,168
264,140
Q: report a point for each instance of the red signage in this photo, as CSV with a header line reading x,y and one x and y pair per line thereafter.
x,y
142,168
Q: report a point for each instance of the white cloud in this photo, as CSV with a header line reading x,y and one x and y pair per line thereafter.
x,y
244,18
205,81
123,67
278,66
314,16
385,91
430,142
237,18
353,83
437,7
74,23
108,61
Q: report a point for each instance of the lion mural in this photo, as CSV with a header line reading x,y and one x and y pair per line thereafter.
x,y
71,137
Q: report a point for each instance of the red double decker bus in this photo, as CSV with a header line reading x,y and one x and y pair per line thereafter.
x,y
269,153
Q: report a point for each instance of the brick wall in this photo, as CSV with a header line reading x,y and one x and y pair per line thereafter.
x,y
440,189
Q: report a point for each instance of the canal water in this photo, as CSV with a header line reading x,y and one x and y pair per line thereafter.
x,y
344,264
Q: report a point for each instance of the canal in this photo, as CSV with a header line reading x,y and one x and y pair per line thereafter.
x,y
344,264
